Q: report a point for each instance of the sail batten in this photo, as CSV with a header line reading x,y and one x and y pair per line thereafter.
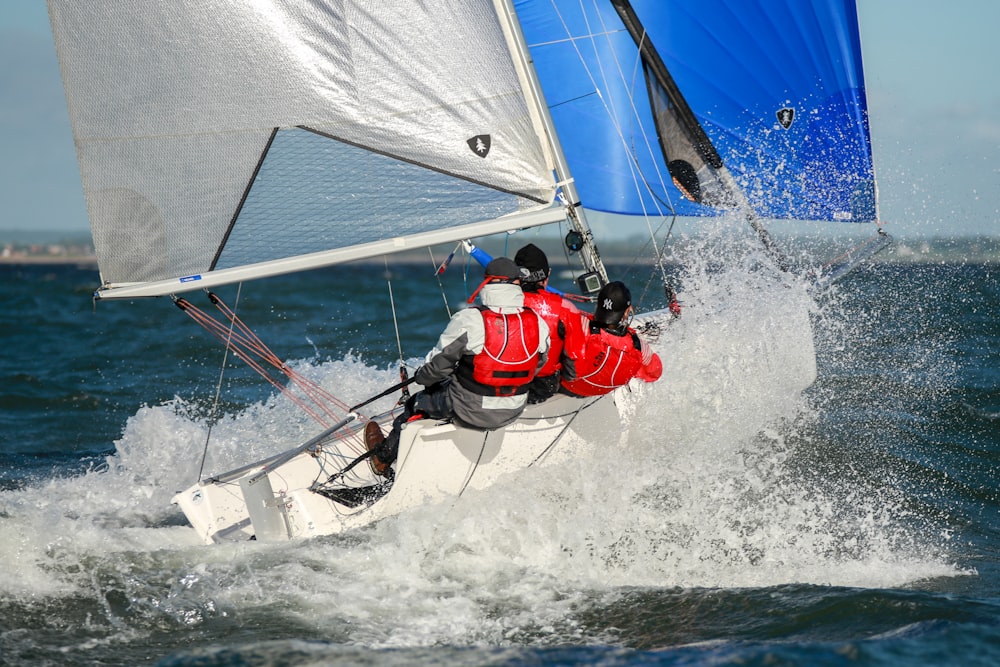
x,y
242,202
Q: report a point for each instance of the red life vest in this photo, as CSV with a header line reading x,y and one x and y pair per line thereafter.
x,y
550,308
509,358
605,363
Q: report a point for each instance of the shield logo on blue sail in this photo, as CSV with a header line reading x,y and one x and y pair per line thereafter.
x,y
786,117
480,144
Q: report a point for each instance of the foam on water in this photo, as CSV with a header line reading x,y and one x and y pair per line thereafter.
x,y
703,491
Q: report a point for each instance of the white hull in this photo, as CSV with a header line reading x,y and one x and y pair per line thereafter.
x,y
437,460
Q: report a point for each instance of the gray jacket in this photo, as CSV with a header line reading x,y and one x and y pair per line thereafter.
x,y
465,335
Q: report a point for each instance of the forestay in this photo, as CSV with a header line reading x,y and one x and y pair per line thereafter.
x,y
217,135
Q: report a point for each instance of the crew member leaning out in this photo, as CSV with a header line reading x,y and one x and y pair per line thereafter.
x,y
479,371
610,353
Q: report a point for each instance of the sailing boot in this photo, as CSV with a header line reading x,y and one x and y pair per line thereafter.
x,y
374,440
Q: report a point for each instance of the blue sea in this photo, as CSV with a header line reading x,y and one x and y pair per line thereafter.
x,y
741,520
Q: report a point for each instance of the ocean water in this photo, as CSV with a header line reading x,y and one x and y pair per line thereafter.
x,y
744,521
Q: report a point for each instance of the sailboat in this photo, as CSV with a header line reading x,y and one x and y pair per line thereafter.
x,y
225,143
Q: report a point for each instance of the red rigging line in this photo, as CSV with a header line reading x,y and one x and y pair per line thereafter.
x,y
236,336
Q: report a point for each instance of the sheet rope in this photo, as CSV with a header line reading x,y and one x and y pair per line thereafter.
x,y
237,337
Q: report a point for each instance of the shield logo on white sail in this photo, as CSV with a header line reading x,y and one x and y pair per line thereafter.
x,y
480,144
786,117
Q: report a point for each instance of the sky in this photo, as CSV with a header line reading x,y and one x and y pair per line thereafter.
x,y
933,92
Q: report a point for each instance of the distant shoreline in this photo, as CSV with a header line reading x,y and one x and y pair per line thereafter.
x,y
915,258
82,260
980,250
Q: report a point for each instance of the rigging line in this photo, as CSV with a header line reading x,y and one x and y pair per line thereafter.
x,y
570,100
639,131
562,431
227,336
437,275
637,176
658,252
218,391
252,344
465,272
846,255
392,306
216,328
850,259
248,347
479,460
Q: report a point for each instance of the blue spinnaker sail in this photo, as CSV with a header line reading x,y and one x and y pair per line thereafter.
x,y
776,87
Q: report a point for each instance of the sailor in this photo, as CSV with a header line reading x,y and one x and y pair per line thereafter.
x,y
478,373
611,353
561,316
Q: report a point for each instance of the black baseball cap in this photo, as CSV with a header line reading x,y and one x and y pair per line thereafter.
x,y
504,268
612,302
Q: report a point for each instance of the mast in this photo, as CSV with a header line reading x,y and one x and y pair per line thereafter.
x,y
525,65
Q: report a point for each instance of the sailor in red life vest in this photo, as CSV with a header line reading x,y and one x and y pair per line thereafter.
x,y
611,353
561,316
479,371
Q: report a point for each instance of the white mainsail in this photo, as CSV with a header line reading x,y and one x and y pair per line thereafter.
x,y
217,136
